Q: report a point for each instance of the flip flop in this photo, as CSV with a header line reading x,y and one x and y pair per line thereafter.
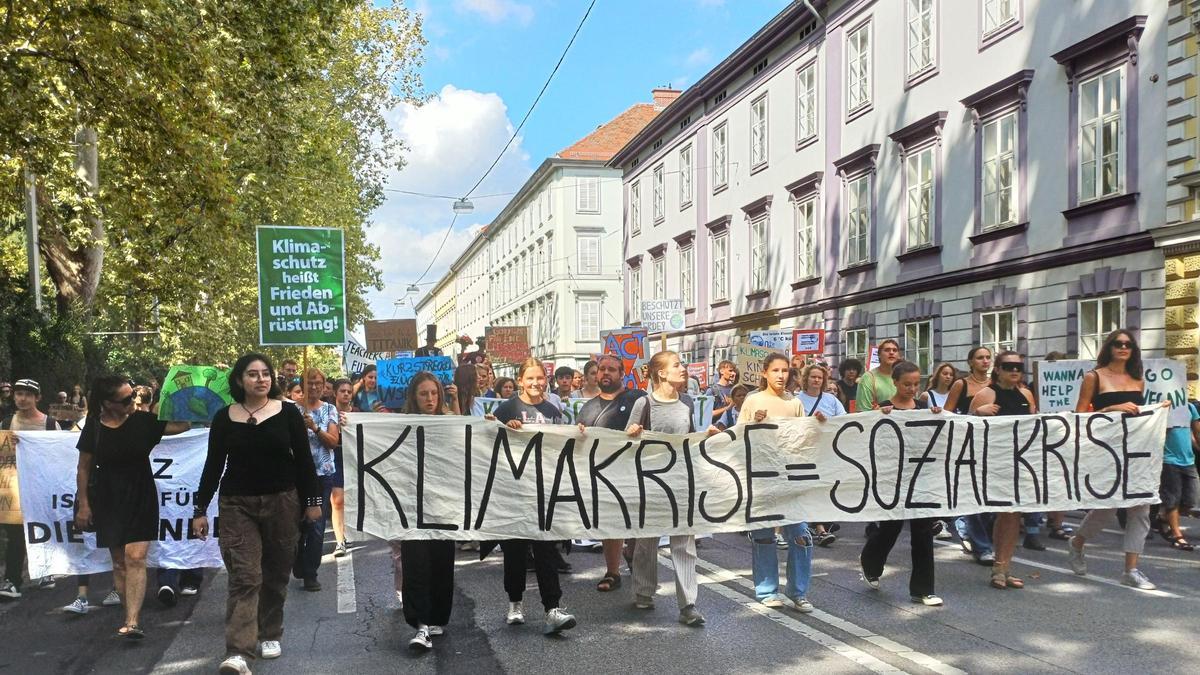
x,y
1181,544
133,632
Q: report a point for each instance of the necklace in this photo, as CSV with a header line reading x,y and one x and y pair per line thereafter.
x,y
251,419
977,380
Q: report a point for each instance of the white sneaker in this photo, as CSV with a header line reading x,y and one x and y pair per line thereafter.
x,y
400,599
927,600
7,590
802,605
189,590
780,542
80,606
516,614
270,649
772,601
112,599
1135,578
421,641
437,631
557,621
235,665
339,550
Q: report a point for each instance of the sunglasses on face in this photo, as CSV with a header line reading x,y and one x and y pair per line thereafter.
x,y
1012,367
1122,344
123,401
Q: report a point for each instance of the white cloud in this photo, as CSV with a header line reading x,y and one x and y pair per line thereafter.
x,y
698,57
496,11
451,140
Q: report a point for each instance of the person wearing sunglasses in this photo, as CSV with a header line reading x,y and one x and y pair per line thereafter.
x,y
1115,385
122,500
1005,396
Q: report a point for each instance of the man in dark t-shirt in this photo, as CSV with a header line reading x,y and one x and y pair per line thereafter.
x,y
610,410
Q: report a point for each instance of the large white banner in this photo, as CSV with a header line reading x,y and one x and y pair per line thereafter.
x,y
702,408
443,477
46,464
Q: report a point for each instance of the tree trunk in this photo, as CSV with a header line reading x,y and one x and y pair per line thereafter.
x,y
75,271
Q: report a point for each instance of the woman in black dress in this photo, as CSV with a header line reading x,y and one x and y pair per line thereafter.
x,y
122,503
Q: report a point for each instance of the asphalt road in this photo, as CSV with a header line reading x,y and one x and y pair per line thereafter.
x,y
1059,623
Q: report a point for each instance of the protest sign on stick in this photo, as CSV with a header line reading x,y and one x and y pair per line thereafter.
x,y
395,374
507,344
629,345
194,394
10,493
301,285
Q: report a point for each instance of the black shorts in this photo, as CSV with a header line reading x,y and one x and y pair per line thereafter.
x,y
1178,487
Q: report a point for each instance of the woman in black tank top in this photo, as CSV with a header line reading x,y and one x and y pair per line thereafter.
x,y
1005,396
1114,386
979,362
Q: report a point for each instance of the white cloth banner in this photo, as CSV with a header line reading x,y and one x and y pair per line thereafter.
x,y
701,409
444,477
46,464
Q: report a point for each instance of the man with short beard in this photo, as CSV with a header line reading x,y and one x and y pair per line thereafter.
x,y
609,409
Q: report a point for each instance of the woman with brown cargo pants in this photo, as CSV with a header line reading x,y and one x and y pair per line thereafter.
x,y
268,481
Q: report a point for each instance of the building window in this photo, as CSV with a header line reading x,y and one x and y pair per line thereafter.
x,y
685,176
999,172
758,252
720,260
997,14
856,345
758,131
858,220
658,194
858,68
587,315
587,194
635,294
635,207
997,330
1097,318
806,102
919,188
660,279
720,167
918,344
1101,135
922,39
806,237
589,255
686,266
549,257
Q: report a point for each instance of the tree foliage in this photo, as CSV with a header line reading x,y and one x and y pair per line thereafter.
x,y
210,118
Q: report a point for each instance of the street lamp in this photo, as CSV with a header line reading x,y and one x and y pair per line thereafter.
x,y
463,206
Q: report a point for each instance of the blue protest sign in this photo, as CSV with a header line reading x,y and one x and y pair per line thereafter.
x,y
395,374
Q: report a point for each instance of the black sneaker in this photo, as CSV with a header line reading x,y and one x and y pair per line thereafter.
x,y
1034,543
312,585
166,595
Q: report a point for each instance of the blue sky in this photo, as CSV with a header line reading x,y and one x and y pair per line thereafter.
x,y
484,64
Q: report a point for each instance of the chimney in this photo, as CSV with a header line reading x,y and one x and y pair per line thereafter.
x,y
663,96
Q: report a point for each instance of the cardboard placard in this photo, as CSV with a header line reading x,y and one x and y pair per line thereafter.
x,y
391,335
507,344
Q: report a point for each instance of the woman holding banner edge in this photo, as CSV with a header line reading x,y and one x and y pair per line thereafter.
x,y
532,407
122,502
773,400
1115,385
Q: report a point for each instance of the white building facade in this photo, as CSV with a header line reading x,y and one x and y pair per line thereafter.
x,y
949,173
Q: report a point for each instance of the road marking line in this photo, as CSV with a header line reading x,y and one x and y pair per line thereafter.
x,y
831,643
347,595
1064,570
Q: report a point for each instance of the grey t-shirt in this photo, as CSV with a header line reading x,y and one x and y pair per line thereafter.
x,y
668,417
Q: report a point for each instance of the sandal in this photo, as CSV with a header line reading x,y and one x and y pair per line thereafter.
x,y
610,582
131,632
1013,582
999,579
1164,531
1181,544
1061,533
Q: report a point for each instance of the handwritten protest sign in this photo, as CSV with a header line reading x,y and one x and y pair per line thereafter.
x,y
356,358
65,412
629,345
748,359
47,473
194,394
10,494
390,336
1059,383
483,478
663,316
395,374
507,344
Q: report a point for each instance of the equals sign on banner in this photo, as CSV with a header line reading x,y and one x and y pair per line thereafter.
x,y
803,467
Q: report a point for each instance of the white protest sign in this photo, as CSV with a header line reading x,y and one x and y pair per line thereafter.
x,y
356,358
1059,383
775,340
443,477
663,316
46,462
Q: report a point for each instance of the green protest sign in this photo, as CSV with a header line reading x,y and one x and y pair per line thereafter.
x,y
301,286
194,394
